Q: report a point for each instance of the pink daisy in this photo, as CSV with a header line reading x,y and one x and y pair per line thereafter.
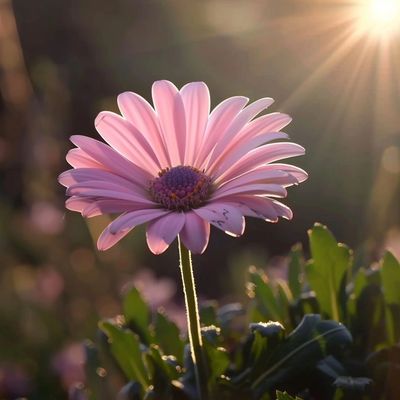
x,y
180,168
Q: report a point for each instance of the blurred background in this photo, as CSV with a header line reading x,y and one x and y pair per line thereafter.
x,y
333,65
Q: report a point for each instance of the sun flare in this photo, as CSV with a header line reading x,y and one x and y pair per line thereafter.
x,y
380,17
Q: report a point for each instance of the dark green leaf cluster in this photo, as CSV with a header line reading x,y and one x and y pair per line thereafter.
x,y
330,332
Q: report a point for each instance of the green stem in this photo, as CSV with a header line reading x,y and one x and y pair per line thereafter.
x,y
193,320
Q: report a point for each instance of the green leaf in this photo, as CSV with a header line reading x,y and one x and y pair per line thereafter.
x,y
326,271
310,342
307,303
167,336
284,298
296,267
263,293
159,372
125,347
390,276
218,361
285,396
217,357
95,377
137,314
266,336
208,313
359,283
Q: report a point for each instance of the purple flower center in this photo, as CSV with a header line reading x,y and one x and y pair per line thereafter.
x,y
180,188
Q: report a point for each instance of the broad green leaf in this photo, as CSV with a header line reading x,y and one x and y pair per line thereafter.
x,y
266,336
369,319
125,347
167,336
310,342
307,303
160,373
331,368
217,357
218,360
208,313
390,277
263,293
296,268
137,314
284,297
264,339
285,396
359,283
326,271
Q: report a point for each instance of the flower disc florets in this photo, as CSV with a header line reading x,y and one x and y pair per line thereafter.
x,y
180,188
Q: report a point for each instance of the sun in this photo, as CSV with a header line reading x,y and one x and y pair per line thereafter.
x,y
379,17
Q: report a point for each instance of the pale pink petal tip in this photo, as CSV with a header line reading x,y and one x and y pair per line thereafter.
x,y
161,232
195,233
107,240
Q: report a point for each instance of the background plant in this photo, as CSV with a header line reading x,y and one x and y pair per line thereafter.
x,y
329,332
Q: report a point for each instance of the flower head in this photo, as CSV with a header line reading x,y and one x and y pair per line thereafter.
x,y
180,168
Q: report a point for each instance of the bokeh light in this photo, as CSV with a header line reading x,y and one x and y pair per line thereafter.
x,y
380,17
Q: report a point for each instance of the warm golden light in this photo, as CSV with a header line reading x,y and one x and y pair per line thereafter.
x,y
380,17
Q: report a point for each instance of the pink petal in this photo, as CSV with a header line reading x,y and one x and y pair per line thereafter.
x,y
196,100
80,175
267,189
122,225
263,125
262,207
110,159
134,218
122,136
141,114
195,233
297,172
260,156
272,122
106,190
101,207
262,174
171,112
92,208
246,115
76,203
220,118
77,158
223,216
228,158
107,240
161,232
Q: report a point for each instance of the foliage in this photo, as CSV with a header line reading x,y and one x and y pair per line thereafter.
x,y
291,337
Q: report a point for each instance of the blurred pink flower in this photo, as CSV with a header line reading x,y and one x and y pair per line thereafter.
x,y
179,168
69,364
49,285
156,291
46,217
